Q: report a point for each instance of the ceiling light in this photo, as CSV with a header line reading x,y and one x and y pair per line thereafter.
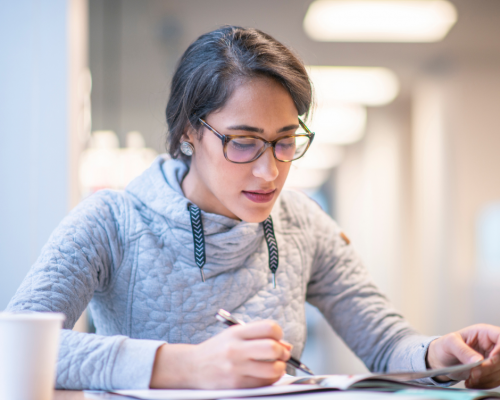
x,y
371,86
379,21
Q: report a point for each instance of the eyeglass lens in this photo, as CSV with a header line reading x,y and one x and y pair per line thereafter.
x,y
246,149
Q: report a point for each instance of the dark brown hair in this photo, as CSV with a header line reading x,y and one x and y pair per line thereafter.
x,y
208,69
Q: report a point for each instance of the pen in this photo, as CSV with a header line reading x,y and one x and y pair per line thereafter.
x,y
226,317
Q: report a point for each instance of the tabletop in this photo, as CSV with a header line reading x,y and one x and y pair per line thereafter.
x,y
68,395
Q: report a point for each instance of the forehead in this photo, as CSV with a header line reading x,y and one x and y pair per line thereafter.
x,y
258,101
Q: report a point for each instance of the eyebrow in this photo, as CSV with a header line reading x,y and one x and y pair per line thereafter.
x,y
259,130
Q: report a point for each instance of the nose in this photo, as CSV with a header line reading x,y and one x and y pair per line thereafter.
x,y
265,166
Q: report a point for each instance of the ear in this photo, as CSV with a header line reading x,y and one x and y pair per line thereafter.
x,y
189,134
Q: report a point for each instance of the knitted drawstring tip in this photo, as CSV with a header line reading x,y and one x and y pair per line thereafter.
x,y
198,238
272,246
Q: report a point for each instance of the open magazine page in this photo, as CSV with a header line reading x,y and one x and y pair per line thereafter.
x,y
289,384
186,394
396,380
347,382
342,382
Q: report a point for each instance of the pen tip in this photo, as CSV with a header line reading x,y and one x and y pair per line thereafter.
x,y
305,369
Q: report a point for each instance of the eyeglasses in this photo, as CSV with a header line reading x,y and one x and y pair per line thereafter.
x,y
240,149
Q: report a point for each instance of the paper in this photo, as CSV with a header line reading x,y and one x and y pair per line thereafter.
x,y
344,382
450,394
290,385
338,395
411,376
328,395
186,394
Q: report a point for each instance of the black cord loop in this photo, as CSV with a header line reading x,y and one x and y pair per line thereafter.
x,y
199,242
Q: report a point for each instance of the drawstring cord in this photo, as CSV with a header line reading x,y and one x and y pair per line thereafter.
x,y
272,246
199,242
198,238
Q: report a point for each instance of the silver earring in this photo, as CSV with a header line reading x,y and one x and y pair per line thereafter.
x,y
187,148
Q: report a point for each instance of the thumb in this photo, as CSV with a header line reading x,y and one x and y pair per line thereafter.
x,y
464,353
495,353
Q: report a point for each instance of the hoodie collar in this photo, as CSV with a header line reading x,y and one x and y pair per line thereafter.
x,y
159,188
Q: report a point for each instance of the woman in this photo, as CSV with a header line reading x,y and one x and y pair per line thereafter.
x,y
211,228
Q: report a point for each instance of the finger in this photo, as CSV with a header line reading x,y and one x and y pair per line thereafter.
x,y
462,351
495,359
263,369
486,374
484,371
495,353
489,365
259,330
251,382
265,349
486,338
288,346
490,384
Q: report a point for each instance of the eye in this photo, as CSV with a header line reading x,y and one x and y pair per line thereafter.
x,y
286,143
243,144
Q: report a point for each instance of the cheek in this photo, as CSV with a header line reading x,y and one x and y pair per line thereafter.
x,y
223,177
231,178
284,169
211,159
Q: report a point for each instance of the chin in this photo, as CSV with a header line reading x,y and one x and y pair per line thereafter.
x,y
249,211
254,215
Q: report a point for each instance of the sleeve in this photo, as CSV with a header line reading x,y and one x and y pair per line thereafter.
x,y
341,288
79,260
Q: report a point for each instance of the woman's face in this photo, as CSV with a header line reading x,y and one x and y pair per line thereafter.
x,y
259,107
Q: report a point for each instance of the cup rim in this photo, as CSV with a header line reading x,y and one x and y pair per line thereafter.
x,y
31,316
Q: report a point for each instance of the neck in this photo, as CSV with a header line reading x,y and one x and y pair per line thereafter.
x,y
196,191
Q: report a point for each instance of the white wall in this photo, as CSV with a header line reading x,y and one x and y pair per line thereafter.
x,y
474,133
35,140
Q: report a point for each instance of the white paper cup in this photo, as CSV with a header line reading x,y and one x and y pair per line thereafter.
x,y
29,343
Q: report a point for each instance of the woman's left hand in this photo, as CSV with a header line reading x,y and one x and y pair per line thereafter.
x,y
466,346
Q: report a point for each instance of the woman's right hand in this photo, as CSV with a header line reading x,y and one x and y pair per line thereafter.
x,y
241,356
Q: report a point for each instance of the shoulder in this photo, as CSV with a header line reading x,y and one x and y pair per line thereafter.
x,y
105,206
297,210
298,197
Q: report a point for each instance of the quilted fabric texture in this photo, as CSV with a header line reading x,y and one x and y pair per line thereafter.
x,y
129,256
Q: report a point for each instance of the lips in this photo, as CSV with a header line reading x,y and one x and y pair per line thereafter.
x,y
260,196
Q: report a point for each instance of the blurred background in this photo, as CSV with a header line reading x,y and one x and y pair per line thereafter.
x,y
406,156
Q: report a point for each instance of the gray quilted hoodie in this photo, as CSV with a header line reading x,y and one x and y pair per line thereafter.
x,y
129,256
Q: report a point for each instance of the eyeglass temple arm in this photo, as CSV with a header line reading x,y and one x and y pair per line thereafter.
x,y
221,137
307,130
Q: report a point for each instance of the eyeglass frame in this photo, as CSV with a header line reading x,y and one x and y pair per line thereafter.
x,y
227,138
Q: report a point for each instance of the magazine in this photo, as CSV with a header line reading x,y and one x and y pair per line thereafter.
x,y
392,382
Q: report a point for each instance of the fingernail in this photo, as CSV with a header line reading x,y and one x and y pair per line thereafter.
x,y
476,359
286,344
